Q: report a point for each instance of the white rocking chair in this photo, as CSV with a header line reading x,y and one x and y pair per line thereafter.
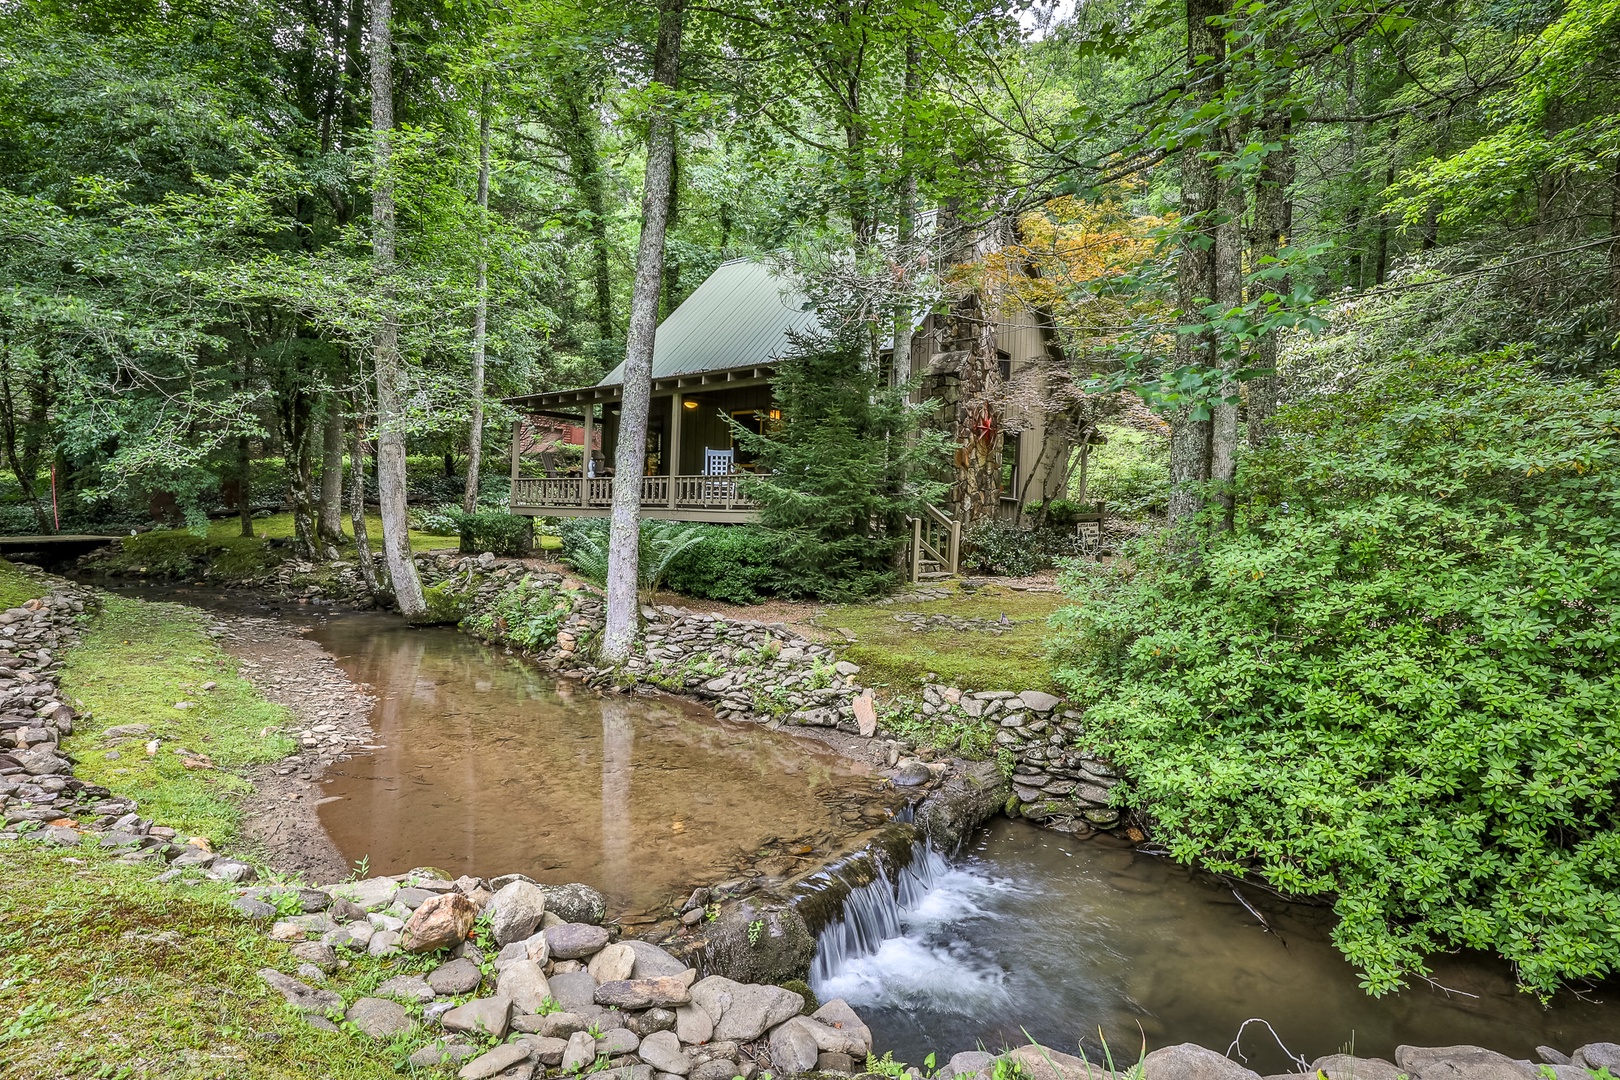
x,y
718,463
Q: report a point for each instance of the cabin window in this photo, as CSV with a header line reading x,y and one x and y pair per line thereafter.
x,y
1009,465
1004,365
760,422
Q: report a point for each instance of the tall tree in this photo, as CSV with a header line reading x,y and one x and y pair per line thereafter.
x,y
475,428
630,461
385,357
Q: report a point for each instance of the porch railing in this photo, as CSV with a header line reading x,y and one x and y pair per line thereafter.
x,y
657,493
936,545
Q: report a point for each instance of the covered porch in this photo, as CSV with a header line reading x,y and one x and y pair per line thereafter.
x,y
693,464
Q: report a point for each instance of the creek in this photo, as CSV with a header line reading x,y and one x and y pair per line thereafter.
x,y
1080,942
487,764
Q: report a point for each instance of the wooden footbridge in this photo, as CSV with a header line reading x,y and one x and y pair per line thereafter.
x,y
56,546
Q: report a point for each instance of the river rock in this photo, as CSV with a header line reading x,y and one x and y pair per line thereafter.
x,y
525,984
715,1069
838,1015
406,988
1347,1067
371,894
793,1048
866,715
968,797
613,964
1189,1061
1599,1055
495,1061
455,977
442,921
665,991
380,1018
575,991
651,961
383,943
1459,1063
574,941
838,1063
301,996
439,1053
489,1015
580,1053
355,936
615,1042
1042,1063
651,1020
318,953
968,1063
557,1025
776,952
1039,701
662,1050
693,1024
575,903
545,1049
515,911
744,1011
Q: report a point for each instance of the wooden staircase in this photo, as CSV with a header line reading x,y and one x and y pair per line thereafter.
x,y
936,546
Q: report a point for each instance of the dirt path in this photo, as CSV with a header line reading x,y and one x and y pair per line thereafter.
x,y
332,717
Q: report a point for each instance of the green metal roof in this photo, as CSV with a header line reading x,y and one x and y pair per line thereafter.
x,y
738,317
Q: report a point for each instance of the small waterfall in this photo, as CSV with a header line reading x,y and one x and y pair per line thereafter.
x,y
857,905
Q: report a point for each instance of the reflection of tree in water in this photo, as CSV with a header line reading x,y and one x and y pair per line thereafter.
x,y
618,745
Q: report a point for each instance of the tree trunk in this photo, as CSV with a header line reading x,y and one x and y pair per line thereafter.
x,y
329,524
357,501
385,352
1223,435
295,411
1269,235
1614,255
475,426
624,540
1195,267
24,471
900,358
244,482
672,264
977,492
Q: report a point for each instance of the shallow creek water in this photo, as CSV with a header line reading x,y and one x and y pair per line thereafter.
x,y
489,765
1029,930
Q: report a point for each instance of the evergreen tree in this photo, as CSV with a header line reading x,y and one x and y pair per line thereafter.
x,y
847,462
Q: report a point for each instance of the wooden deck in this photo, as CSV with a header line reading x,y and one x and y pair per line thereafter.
x,y
672,498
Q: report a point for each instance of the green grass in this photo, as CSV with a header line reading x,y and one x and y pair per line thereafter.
x,y
892,655
106,974
17,585
136,662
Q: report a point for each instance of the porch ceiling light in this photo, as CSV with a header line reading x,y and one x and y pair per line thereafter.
x,y
689,404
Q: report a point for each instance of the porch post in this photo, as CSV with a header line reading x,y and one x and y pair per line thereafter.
x,y
517,446
677,407
585,458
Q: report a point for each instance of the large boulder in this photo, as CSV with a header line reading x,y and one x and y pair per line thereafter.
x,y
613,964
1189,1061
776,950
371,894
1043,1063
972,794
494,1062
441,922
515,911
575,903
741,1011
1594,1056
460,976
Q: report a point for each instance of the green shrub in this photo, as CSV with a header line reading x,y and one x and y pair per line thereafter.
x,y
495,531
528,615
585,548
1130,473
1394,681
1001,547
737,564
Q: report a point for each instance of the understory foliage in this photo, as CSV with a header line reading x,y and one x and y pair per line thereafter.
x,y
1394,680
528,615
